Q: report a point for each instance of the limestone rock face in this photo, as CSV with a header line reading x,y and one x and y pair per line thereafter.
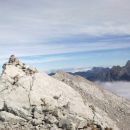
x,y
32,100
106,103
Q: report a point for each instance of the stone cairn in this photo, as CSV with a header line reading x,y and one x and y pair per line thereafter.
x,y
13,60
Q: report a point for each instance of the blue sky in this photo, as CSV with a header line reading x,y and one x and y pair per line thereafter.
x,y
65,34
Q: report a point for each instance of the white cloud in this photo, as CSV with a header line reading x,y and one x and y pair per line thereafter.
x,y
46,49
47,60
41,19
26,26
121,88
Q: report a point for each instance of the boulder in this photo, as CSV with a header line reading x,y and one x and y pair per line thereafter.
x,y
7,117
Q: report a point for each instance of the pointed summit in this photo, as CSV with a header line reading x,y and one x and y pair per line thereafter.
x,y
128,64
14,65
13,59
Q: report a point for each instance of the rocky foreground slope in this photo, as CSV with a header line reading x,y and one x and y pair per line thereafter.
x,y
115,107
30,100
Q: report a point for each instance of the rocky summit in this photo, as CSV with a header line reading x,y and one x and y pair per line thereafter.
x,y
30,100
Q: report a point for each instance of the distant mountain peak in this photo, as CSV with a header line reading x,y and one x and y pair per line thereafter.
x,y
116,73
128,63
13,60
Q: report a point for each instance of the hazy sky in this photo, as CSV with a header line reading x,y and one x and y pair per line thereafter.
x,y
56,34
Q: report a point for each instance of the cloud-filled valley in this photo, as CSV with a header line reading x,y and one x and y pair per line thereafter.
x,y
120,88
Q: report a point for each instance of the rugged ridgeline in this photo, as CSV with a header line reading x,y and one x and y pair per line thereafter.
x,y
105,103
30,100
116,73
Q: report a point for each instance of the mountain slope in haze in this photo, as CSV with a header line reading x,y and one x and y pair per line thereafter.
x,y
30,100
116,73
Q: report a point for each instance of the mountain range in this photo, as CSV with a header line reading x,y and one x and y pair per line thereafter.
x,y
116,73
31,100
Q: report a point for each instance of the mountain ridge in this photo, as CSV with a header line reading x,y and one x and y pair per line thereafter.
x,y
30,100
90,92
115,73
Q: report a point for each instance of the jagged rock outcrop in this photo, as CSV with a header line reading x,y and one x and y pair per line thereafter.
x,y
30,100
23,68
116,73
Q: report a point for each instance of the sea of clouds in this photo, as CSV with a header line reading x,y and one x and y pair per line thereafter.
x,y
120,88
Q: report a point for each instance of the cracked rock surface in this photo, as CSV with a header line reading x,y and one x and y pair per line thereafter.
x,y
30,100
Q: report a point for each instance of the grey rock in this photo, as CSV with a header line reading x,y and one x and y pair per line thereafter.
x,y
65,124
54,127
81,124
50,119
16,110
6,116
36,122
